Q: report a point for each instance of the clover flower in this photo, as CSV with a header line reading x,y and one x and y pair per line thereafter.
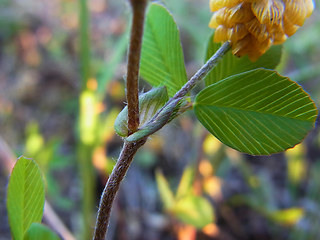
x,y
252,26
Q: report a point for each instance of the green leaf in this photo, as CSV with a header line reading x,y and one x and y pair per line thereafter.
x,y
231,65
162,62
194,210
165,192
149,103
88,117
289,216
25,199
185,185
257,112
38,231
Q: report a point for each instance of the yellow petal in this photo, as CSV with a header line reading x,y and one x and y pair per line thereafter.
x,y
217,4
296,11
258,30
276,33
264,45
229,17
237,32
309,6
279,38
241,48
240,13
221,34
288,27
222,17
268,11
213,21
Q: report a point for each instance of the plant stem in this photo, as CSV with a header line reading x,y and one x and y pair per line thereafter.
x,y
198,76
130,148
202,72
84,151
138,10
112,186
84,43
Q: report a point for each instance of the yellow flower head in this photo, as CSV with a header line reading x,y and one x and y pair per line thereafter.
x,y
253,26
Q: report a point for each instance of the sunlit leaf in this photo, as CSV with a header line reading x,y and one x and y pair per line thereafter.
x,y
257,112
165,192
162,62
38,231
296,165
288,216
185,185
25,199
231,65
34,141
194,210
88,117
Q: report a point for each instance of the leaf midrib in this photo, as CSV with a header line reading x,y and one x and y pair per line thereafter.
x,y
252,111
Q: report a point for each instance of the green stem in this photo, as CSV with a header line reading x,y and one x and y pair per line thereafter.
x,y
84,43
84,155
84,151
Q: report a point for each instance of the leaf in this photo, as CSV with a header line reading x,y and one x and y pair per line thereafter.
x,y
231,65
25,199
289,216
164,191
194,210
162,62
38,231
257,112
88,117
149,103
185,185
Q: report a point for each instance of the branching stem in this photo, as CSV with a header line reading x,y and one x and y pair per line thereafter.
x,y
203,71
130,148
198,76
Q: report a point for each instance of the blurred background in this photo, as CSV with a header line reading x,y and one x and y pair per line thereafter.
x,y
61,89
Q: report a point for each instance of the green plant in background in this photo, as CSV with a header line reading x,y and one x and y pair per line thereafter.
x,y
25,202
246,105
185,205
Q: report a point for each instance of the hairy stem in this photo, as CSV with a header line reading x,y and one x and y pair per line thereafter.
x,y
138,10
112,187
132,94
203,71
198,76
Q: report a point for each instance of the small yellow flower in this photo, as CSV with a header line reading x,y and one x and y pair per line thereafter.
x,y
253,26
